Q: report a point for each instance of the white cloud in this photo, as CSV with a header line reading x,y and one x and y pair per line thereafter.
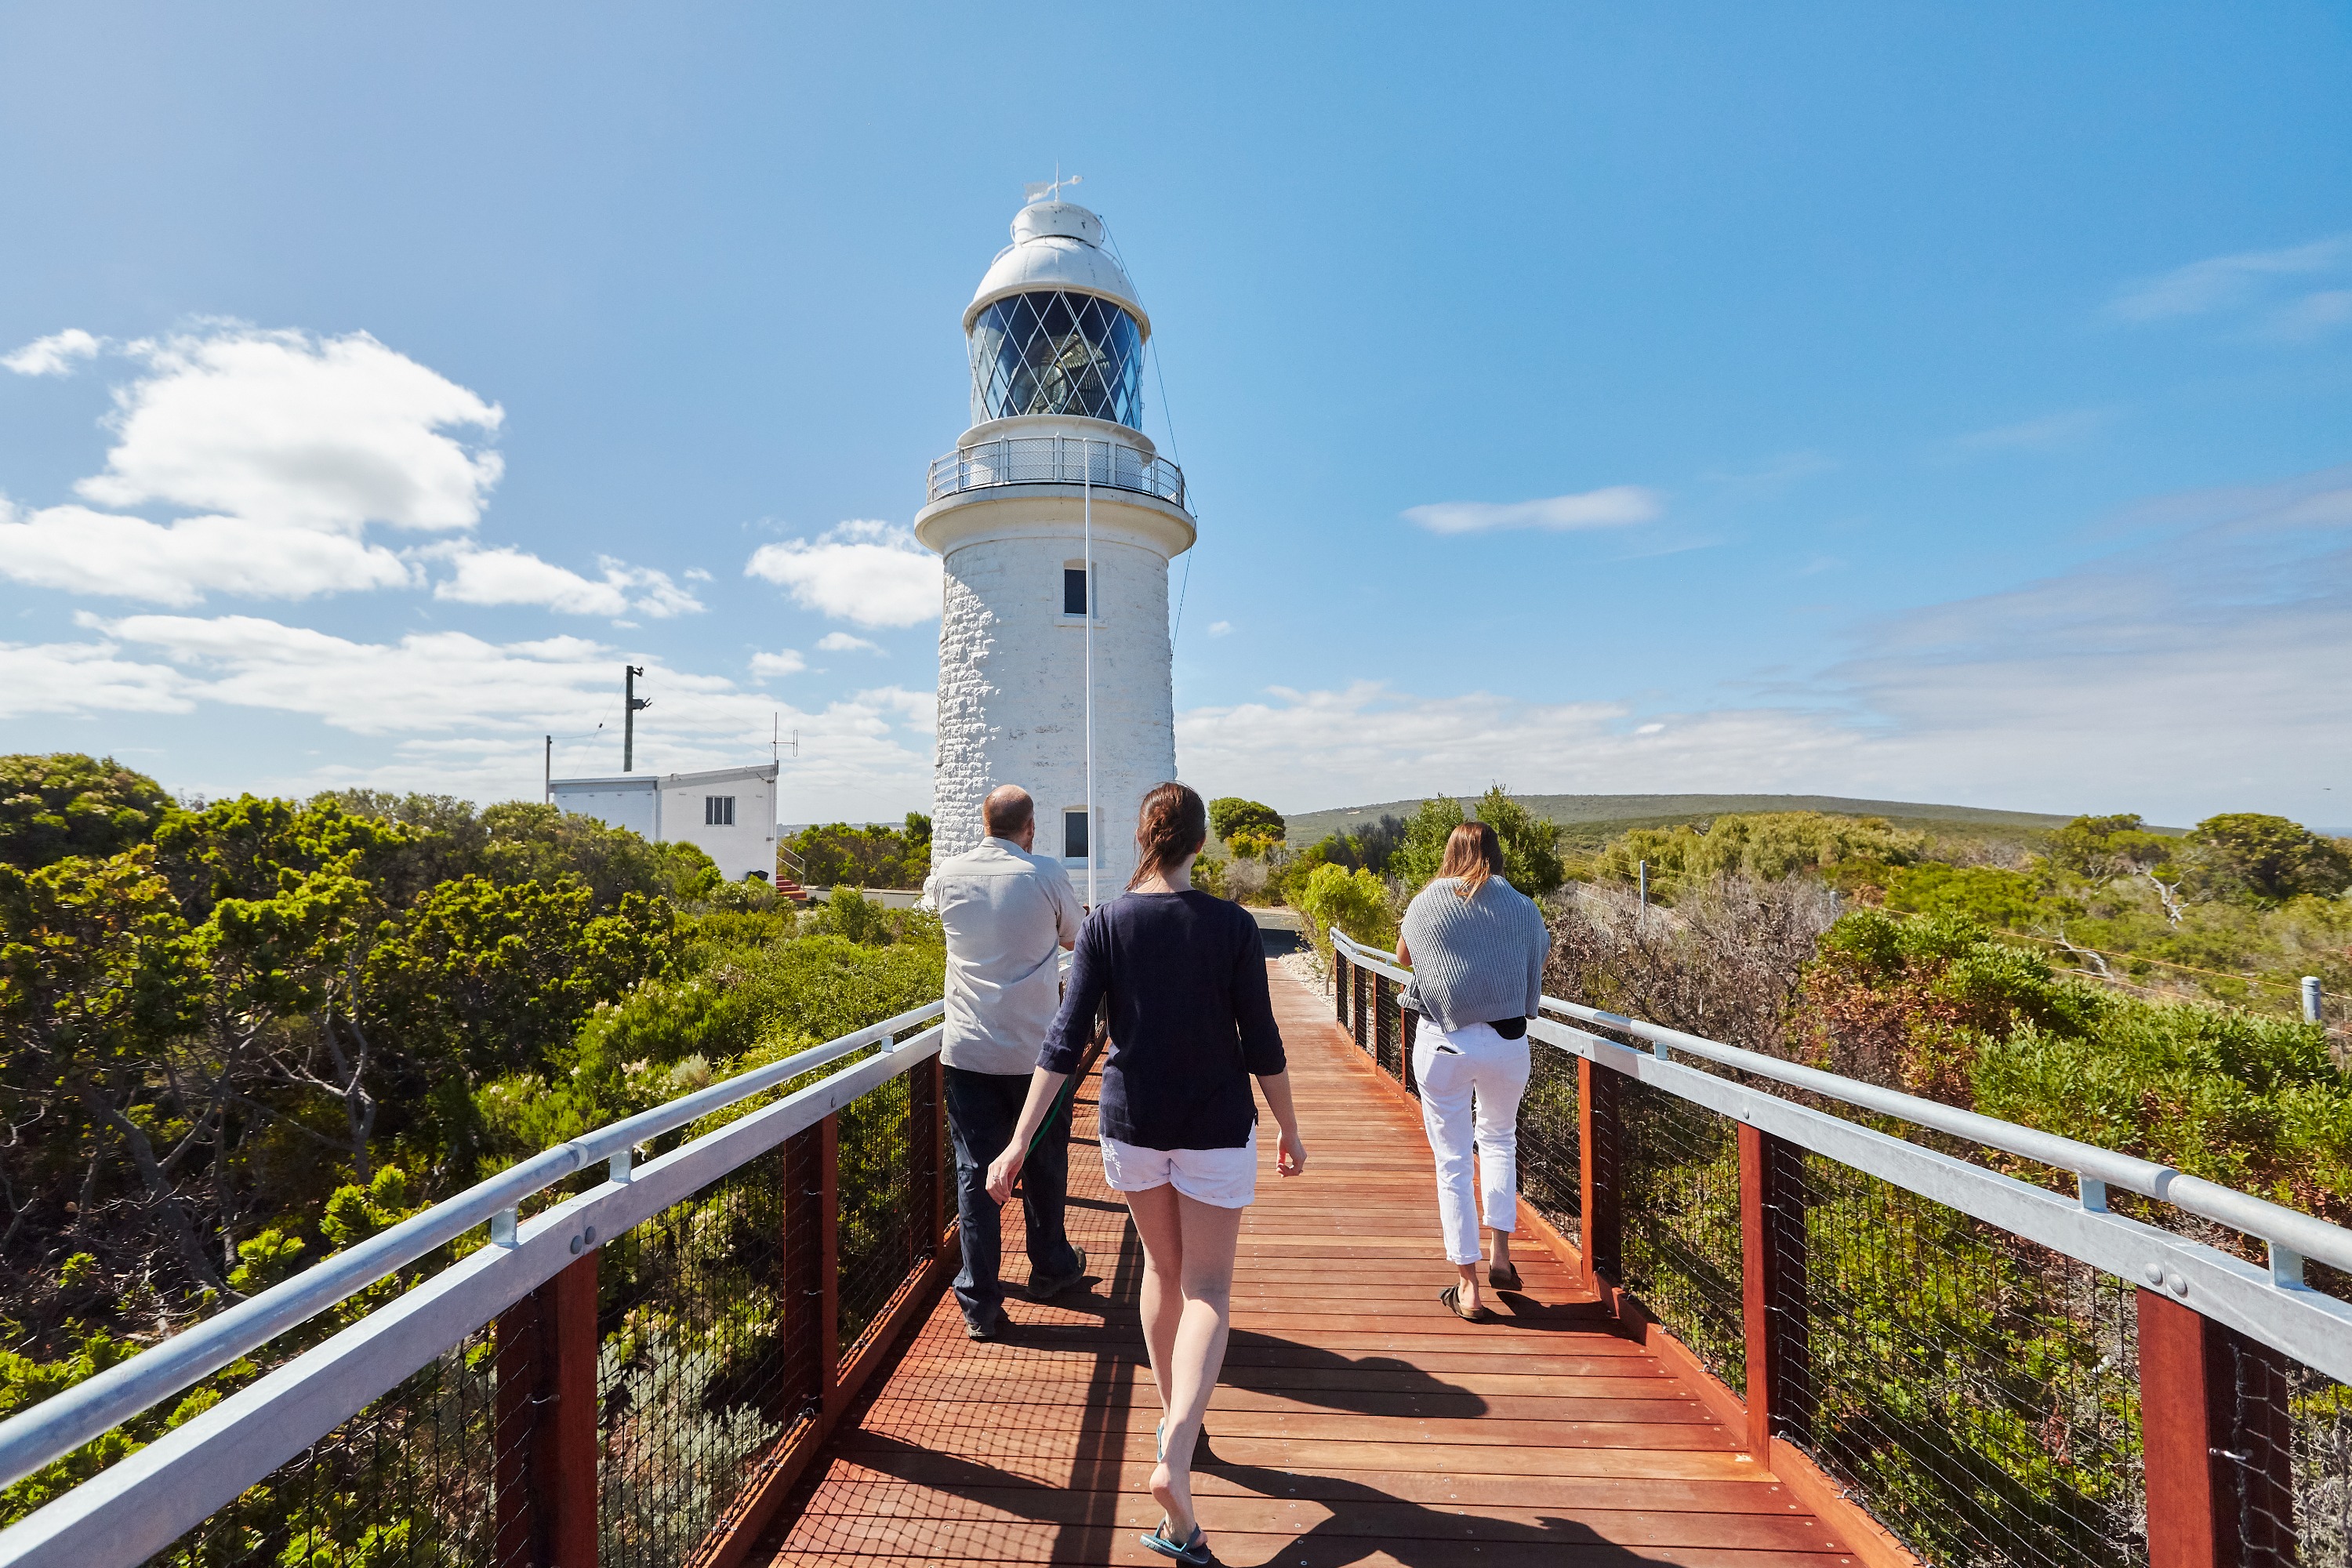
x,y
465,715
786,661
281,449
83,678
916,709
843,642
1221,628
2049,432
874,573
511,576
2194,674
84,552
1618,505
52,355
2270,285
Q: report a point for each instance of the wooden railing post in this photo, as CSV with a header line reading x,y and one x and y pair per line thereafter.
x,y
545,1419
927,1161
829,1266
810,1331
1772,1287
1596,1146
2218,1491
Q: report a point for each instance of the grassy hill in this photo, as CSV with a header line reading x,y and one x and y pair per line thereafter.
x,y
1589,820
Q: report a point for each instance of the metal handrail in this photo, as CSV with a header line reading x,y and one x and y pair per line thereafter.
x,y
60,1425
2290,1234
1056,460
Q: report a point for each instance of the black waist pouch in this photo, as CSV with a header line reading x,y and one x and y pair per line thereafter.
x,y
1510,1029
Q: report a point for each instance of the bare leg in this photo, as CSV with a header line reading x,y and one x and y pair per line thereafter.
x,y
1162,1234
1499,1252
1467,1291
1206,1238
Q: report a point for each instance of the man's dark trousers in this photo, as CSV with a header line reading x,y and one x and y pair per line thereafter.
x,y
983,1110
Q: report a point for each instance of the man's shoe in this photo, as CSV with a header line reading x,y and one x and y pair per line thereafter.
x,y
995,1327
1042,1289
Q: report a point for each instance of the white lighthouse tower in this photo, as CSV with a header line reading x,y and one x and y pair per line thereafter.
x,y
1056,519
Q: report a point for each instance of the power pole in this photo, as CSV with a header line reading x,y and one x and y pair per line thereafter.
x,y
547,791
630,704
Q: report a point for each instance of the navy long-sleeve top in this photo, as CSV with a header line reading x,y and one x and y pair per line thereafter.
x,y
1191,1018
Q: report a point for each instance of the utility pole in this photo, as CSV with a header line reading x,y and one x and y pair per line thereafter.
x,y
630,704
1645,884
547,789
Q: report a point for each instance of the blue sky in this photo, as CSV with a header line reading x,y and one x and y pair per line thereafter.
x,y
1943,403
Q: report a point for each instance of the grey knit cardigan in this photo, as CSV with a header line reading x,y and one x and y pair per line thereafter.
x,y
1477,959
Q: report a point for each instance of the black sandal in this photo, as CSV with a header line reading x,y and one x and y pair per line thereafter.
x,y
1504,1278
1451,1297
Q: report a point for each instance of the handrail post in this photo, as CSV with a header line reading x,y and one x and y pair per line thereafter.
x,y
829,1267
811,1304
2219,1494
1598,1181
544,1416
1772,1288
926,1155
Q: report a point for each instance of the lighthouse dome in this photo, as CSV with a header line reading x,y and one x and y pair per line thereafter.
x,y
1057,244
1055,327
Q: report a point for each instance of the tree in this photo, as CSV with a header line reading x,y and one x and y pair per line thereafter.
x,y
1230,816
1531,860
2100,849
2267,859
1765,846
871,855
67,804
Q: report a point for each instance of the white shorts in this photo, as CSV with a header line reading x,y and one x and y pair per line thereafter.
x,y
1223,1178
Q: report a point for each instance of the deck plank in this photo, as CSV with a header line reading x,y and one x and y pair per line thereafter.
x,y
1357,1423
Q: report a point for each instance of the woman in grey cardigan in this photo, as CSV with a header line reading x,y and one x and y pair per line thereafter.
x,y
1476,947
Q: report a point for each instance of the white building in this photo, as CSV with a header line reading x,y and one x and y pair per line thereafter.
x,y
1053,468
729,813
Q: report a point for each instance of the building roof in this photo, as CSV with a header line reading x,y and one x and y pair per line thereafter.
x,y
672,780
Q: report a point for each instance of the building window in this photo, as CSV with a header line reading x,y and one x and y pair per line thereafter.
x,y
1074,835
1073,590
717,811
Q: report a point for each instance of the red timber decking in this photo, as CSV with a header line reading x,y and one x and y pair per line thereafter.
x,y
1359,1421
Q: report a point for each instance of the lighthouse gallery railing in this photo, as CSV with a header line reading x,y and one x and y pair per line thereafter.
x,y
1056,460
1908,1299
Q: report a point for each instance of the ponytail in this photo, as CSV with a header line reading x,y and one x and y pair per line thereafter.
x,y
1172,825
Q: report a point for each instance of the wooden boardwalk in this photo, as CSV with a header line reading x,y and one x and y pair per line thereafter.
x,y
1358,1422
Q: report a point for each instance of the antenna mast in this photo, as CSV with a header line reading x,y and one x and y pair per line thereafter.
x,y
630,704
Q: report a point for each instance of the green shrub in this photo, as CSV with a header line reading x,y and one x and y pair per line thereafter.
x,y
1357,902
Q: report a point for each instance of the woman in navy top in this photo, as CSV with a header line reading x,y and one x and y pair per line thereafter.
x,y
1191,1023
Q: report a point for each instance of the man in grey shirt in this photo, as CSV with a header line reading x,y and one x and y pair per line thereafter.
x,y
1008,914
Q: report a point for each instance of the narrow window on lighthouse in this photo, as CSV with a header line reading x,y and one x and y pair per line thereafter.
x,y
1073,590
1074,835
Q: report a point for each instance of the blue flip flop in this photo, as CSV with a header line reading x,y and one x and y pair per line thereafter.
x,y
1195,1551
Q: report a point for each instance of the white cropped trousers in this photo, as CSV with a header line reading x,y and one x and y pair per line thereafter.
x,y
1470,1080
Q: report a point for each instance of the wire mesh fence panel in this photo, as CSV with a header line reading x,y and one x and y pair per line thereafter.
x,y
1679,1206
691,1365
876,1214
408,1482
1977,1392
1550,1177
1388,1028
2288,1456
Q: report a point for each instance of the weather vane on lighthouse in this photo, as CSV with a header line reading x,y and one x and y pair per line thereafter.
x,y
1056,518
1050,190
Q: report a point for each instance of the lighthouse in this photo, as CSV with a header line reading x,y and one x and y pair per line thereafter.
x,y
1055,518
